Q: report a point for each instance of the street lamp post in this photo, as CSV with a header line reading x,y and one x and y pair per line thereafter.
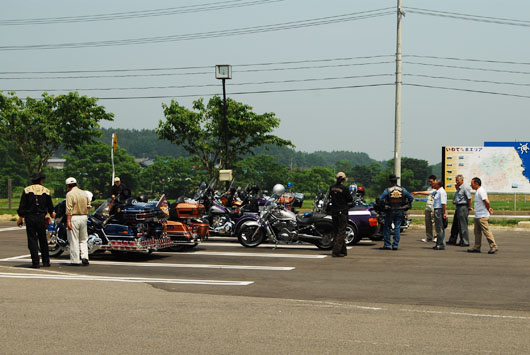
x,y
223,72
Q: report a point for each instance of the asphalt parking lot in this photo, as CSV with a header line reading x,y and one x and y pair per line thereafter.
x,y
224,298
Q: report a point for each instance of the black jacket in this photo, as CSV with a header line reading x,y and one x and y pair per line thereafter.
x,y
340,198
35,199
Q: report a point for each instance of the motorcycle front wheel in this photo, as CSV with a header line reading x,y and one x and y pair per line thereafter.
x,y
251,236
54,249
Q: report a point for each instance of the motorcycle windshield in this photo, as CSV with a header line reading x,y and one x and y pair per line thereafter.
x,y
102,212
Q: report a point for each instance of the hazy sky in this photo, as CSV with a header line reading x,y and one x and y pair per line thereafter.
x,y
276,69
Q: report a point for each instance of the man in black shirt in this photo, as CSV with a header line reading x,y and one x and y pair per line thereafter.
x,y
119,190
34,203
341,201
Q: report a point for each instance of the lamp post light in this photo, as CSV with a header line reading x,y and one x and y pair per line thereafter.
x,y
223,72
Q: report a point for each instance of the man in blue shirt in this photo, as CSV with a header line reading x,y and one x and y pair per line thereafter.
x,y
396,199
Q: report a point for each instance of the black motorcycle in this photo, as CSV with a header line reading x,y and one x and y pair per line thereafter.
x,y
281,225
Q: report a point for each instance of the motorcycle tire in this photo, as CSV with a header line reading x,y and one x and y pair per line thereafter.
x,y
352,235
182,247
326,243
54,249
245,233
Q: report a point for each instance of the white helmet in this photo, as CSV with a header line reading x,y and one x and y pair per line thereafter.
x,y
278,190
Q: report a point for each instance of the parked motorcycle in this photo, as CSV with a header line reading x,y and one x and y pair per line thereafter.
x,y
118,226
279,225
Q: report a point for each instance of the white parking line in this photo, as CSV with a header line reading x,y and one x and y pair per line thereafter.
x,y
12,229
126,279
260,255
16,257
195,266
270,246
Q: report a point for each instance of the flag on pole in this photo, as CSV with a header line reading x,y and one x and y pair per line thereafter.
x,y
114,141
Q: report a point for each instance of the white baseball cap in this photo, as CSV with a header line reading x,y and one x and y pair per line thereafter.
x,y
70,181
117,178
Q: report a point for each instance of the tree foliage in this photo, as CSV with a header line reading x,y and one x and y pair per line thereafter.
x,y
91,166
38,128
200,132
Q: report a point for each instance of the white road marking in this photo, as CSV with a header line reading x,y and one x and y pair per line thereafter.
x,y
16,257
126,279
270,246
368,308
262,255
12,229
199,266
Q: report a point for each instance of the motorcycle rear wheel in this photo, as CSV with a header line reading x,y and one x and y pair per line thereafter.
x,y
326,243
248,237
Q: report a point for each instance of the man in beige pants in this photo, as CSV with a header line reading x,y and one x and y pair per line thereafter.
x,y
483,211
77,208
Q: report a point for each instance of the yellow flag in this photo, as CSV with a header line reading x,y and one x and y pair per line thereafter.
x,y
114,141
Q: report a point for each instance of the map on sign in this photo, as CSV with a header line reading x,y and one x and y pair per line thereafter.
x,y
501,168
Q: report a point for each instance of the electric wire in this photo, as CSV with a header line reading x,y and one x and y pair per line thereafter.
x,y
194,73
468,68
208,85
467,59
469,17
468,90
201,67
210,34
221,5
466,79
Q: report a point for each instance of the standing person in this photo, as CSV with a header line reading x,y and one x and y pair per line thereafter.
x,y
462,201
396,199
341,200
77,208
429,211
440,213
34,203
483,211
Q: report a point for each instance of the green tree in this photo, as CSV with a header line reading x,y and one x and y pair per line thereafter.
x,y
262,170
310,181
38,128
172,177
201,132
11,167
92,167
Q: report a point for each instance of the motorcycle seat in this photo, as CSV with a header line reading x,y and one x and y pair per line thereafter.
x,y
309,218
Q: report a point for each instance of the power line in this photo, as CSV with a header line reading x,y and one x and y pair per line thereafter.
x,y
467,59
211,34
468,80
200,67
468,90
222,5
208,85
469,17
469,68
245,92
194,73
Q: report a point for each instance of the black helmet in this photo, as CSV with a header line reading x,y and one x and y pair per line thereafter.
x,y
142,198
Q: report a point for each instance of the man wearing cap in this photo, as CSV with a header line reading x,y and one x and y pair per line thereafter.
x,y
341,200
396,199
77,209
34,203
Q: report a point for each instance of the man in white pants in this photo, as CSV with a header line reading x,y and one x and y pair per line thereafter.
x,y
77,208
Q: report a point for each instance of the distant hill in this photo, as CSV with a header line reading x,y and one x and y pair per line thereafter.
x,y
146,144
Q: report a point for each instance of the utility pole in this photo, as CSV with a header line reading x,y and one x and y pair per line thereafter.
x,y
399,83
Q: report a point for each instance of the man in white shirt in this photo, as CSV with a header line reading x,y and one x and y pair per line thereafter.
x,y
440,213
483,211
